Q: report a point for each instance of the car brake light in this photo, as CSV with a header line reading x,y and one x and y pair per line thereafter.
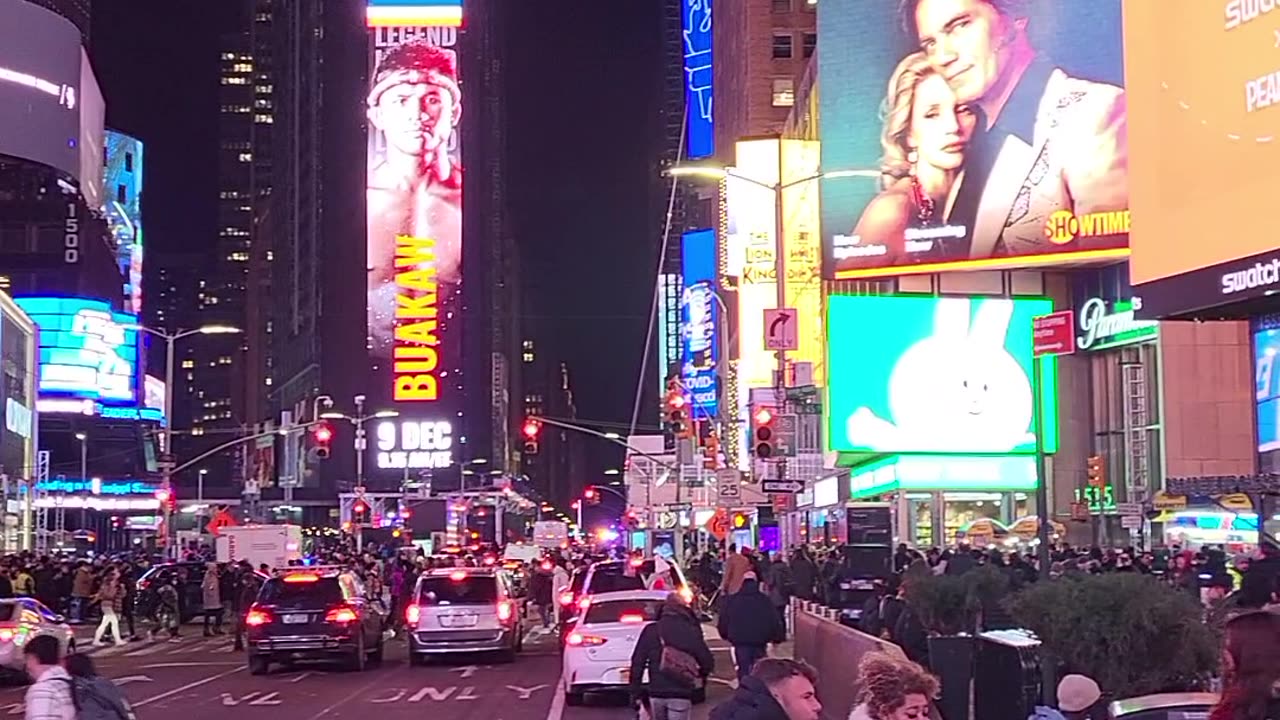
x,y
631,618
636,562
256,617
490,560
6,635
505,611
340,615
566,598
412,614
458,575
584,603
577,639
301,578
142,584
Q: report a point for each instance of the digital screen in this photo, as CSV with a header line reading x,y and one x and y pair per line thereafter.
x,y
920,374
1266,369
122,204
699,324
1204,149
414,241
39,86
86,351
413,13
975,134
695,22
826,492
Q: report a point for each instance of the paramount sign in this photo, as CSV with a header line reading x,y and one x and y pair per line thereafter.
x,y
1106,325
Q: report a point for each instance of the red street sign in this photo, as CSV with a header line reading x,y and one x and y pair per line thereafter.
x,y
1054,334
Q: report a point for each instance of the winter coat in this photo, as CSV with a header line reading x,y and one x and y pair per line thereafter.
x,y
780,585
803,573
82,584
749,618
735,568
751,701
678,628
210,591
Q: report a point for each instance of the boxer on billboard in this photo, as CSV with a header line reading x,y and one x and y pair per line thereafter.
x,y
987,144
416,189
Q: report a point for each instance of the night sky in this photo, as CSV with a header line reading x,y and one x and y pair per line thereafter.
x,y
584,86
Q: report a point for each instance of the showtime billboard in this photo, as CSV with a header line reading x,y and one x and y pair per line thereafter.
x,y
414,241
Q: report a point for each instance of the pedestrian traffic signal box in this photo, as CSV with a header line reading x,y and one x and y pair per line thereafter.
x,y
711,452
676,411
360,509
740,521
531,430
764,433
321,437
1096,471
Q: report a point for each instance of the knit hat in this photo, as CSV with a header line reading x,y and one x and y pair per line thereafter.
x,y
1077,693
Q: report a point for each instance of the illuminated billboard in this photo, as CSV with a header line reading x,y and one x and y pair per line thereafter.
x,y
414,241
700,324
975,134
86,351
923,374
1266,372
695,22
414,13
40,86
1204,152
122,205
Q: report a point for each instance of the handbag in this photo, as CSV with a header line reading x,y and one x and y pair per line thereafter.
x,y
678,664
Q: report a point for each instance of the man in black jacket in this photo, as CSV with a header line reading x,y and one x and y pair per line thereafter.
x,y
777,689
670,696
749,623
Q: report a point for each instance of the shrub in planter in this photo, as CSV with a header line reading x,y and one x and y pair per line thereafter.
x,y
1129,632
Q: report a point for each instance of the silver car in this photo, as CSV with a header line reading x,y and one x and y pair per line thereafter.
x,y
22,619
458,610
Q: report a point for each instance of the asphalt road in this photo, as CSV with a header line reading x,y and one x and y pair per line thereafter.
x,y
203,679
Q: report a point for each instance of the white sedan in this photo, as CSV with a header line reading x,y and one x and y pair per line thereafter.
x,y
22,619
597,650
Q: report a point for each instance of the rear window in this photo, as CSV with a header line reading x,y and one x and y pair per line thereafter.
x,y
6,612
612,579
471,590
575,584
614,610
319,593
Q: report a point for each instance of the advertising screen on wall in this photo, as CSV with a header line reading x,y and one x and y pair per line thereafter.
x,y
123,207
975,134
695,22
86,351
39,86
700,323
920,374
1204,152
1266,373
414,106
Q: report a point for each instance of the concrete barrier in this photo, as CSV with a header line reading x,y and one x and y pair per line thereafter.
x,y
834,650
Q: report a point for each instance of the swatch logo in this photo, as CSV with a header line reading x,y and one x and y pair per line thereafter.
x,y
1260,275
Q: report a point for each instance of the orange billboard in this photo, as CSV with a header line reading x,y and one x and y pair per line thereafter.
x,y
1203,80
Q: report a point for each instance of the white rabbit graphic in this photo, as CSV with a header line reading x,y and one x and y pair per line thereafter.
x,y
957,390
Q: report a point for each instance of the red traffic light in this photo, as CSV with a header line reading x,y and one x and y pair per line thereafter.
x,y
323,433
532,428
676,400
162,495
763,416
589,493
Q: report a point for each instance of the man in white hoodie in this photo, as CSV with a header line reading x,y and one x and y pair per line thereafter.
x,y
49,697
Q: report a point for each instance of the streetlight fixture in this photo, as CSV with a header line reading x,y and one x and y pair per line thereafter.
x,y
358,420
200,499
613,471
84,474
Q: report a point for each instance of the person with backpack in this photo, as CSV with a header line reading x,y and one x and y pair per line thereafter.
x,y
95,697
167,611
677,658
50,696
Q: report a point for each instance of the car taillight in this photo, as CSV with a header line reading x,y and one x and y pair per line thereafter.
x,y
142,584
631,618
340,615
584,603
577,639
505,611
412,614
256,617
566,598
6,634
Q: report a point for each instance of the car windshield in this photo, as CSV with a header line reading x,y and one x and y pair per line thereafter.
x,y
470,590
612,611
316,593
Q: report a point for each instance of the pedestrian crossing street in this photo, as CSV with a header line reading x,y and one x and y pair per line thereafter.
x,y
188,645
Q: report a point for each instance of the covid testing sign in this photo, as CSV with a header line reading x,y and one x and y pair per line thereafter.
x,y
699,324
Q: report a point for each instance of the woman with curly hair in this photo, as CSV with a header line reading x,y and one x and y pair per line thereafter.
x,y
890,688
1251,668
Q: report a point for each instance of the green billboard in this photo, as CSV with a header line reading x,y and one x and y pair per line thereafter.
x,y
937,375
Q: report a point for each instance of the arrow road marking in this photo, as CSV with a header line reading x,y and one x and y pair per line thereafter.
x,y
229,700
467,670
525,693
131,678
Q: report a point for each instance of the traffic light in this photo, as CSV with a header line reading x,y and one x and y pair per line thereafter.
x,y
711,452
676,411
321,437
740,521
1097,473
591,495
764,435
532,428
359,509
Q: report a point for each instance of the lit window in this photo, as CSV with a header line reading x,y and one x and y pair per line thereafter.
x,y
188,363
784,92
246,157
528,357
527,344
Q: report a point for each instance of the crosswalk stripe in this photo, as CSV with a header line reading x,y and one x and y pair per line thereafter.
x,y
154,647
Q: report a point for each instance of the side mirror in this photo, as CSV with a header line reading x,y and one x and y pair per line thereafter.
x,y
62,619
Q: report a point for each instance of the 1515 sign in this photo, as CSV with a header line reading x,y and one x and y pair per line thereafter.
x,y
1104,324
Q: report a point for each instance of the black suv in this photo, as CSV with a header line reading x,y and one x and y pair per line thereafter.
x,y
190,597
314,613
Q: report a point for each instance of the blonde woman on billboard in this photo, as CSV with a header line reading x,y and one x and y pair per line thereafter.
x,y
926,133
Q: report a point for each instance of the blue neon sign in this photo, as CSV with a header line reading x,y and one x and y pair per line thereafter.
x,y
97,487
86,350
699,323
699,131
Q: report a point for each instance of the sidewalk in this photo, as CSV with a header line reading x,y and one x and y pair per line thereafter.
x,y
786,649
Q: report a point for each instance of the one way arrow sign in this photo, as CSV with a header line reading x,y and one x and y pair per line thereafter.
x,y
780,331
782,486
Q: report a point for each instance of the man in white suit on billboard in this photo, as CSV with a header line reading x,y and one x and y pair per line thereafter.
x,y
1052,141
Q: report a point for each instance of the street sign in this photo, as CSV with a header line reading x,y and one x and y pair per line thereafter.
x,y
1129,509
1053,334
718,524
731,490
780,331
1131,522
790,487
785,430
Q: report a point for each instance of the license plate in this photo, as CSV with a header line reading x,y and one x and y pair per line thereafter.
x,y
625,674
458,620
295,619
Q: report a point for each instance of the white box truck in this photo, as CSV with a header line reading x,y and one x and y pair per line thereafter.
x,y
271,545
550,534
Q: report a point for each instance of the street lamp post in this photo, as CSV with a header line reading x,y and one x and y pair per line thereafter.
x,y
84,475
358,421
166,428
200,499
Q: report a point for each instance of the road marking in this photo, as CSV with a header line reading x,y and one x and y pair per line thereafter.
x,y
468,693
526,693
212,663
556,711
467,670
303,675
229,700
395,697
435,694
152,648
131,678
268,699
187,687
